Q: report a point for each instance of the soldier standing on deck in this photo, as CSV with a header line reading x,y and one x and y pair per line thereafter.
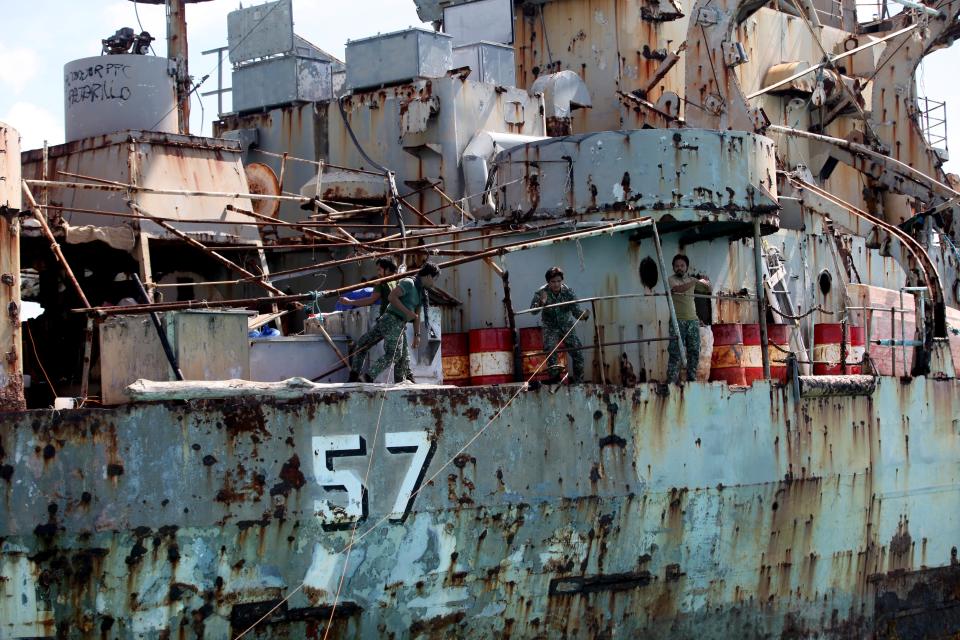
x,y
405,300
682,289
558,321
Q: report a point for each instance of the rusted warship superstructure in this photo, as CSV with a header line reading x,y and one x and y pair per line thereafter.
x,y
192,481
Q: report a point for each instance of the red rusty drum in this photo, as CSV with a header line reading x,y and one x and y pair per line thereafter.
x,y
491,356
777,334
531,353
455,357
826,349
726,363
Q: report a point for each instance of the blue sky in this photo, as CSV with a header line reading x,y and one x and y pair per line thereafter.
x,y
41,36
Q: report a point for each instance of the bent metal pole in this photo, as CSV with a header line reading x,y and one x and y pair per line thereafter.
x,y
613,227
11,361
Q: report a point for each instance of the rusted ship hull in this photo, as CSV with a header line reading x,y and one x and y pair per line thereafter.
x,y
590,512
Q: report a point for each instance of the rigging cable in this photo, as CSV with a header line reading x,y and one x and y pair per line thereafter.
x,y
426,481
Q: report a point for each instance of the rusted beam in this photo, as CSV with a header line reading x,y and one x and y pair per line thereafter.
x,y
210,252
450,202
830,62
110,185
615,227
87,357
11,360
761,298
827,386
54,246
669,295
280,223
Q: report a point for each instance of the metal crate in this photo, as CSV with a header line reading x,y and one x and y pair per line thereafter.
x,y
489,62
281,81
393,58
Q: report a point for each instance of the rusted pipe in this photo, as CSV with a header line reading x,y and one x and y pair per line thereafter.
x,y
597,341
54,246
87,358
305,230
164,342
512,324
761,297
109,185
830,62
11,349
617,227
669,295
420,248
210,252
830,386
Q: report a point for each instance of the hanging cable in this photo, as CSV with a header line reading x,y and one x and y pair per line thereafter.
x,y
423,484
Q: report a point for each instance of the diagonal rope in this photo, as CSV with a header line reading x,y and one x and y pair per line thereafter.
x,y
366,478
353,532
423,484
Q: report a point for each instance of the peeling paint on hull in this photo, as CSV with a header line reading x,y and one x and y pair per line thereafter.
x,y
592,512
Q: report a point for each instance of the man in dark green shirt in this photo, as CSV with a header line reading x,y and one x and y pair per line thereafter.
x,y
682,290
405,301
558,321
385,267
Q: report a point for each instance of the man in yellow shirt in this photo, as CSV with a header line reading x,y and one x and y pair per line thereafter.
x,y
682,288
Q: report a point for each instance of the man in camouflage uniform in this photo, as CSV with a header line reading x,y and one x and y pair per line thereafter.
x,y
405,301
556,322
682,289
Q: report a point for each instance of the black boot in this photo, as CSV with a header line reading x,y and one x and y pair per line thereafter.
x,y
354,377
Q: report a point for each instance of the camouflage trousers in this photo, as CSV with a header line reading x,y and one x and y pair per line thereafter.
x,y
553,335
690,332
392,330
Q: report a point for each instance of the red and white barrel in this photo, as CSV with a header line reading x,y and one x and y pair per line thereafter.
x,y
455,358
826,349
532,355
726,362
491,356
777,334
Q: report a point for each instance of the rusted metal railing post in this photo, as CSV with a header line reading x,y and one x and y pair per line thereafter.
x,y
761,297
598,354
669,295
54,245
518,375
11,361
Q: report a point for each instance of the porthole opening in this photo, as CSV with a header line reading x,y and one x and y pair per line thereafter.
x,y
649,274
825,281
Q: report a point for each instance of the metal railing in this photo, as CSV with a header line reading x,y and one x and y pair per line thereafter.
x,y
933,121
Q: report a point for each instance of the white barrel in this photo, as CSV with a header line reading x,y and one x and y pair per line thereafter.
x,y
114,93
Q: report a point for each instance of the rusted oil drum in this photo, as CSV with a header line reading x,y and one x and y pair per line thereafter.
x,y
531,350
777,334
826,349
726,363
455,350
491,356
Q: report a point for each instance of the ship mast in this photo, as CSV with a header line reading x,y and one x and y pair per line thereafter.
x,y
176,11
177,52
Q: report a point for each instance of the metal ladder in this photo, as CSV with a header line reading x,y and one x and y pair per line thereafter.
x,y
778,296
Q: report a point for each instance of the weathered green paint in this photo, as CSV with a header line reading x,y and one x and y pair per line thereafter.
x,y
590,511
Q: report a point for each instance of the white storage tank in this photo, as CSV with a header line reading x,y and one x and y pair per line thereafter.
x,y
111,93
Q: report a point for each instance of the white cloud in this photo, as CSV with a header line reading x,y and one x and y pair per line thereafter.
x,y
18,66
35,124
